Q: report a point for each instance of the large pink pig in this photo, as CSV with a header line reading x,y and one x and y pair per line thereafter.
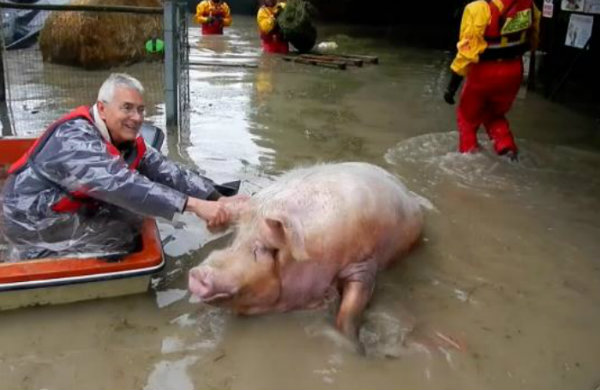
x,y
315,233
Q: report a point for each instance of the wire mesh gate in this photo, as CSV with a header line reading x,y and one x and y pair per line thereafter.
x,y
37,92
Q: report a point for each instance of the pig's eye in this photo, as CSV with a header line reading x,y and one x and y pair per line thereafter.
x,y
263,251
256,251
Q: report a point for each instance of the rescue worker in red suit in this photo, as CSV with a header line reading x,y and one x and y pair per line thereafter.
x,y
270,35
213,15
84,185
494,35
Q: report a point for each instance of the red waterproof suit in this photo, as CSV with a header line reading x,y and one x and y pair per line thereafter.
x,y
213,16
274,43
272,40
493,67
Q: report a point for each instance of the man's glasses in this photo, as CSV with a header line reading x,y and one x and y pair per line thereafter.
x,y
131,109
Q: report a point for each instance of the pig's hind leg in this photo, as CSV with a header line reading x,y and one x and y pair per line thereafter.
x,y
358,281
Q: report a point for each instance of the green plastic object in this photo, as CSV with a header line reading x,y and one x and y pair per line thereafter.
x,y
155,46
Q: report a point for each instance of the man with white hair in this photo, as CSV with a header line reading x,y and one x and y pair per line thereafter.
x,y
83,185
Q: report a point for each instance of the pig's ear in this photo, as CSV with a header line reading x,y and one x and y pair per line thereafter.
x,y
284,232
275,233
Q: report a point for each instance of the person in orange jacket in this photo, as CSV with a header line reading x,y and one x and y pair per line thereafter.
x,y
272,40
494,35
213,15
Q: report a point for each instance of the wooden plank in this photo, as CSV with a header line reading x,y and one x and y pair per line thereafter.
x,y
328,57
368,59
309,61
221,63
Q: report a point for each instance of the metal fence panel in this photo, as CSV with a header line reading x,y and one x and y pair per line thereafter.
x,y
39,92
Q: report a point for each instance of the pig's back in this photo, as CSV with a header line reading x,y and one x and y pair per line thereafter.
x,y
344,207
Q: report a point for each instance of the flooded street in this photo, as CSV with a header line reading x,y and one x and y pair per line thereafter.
x,y
508,268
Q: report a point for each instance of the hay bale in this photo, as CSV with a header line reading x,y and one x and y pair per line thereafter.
x,y
97,40
296,25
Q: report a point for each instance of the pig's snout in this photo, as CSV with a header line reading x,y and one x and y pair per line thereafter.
x,y
203,284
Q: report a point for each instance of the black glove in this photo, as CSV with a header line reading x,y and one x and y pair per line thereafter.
x,y
209,20
453,85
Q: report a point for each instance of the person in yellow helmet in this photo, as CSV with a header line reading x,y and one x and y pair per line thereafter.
x,y
213,15
272,40
494,35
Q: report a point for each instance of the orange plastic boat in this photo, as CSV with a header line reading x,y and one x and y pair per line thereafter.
x,y
62,280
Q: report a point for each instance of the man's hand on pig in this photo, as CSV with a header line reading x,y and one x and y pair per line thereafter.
x,y
215,213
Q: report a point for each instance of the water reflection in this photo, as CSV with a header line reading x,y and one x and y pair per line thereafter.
x,y
220,142
171,375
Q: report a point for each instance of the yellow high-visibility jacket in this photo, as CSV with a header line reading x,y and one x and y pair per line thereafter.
x,y
266,18
208,8
476,17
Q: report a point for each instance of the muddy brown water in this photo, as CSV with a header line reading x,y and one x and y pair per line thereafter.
x,y
508,265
